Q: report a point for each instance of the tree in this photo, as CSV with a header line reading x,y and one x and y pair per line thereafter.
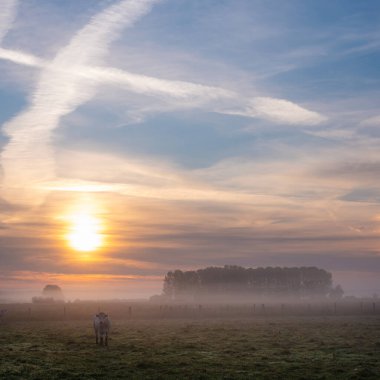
x,y
54,292
303,282
336,293
169,285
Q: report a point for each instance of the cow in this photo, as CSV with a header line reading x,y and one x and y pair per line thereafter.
x,y
102,325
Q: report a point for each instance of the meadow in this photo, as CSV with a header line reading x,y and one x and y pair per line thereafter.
x,y
200,347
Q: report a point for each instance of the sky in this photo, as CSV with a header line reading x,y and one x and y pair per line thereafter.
x,y
142,136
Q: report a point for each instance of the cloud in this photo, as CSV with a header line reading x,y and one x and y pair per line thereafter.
x,y
369,195
188,93
7,15
358,170
28,157
371,122
216,99
155,179
278,111
72,79
21,58
144,84
283,111
268,196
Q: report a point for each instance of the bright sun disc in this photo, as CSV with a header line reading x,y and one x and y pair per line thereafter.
x,y
85,233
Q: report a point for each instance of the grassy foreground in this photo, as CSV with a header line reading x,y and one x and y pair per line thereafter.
x,y
276,348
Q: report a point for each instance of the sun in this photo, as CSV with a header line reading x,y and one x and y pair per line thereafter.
x,y
85,233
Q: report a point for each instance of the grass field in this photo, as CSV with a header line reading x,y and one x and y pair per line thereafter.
x,y
256,348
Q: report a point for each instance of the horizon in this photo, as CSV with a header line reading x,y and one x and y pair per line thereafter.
x,y
75,294
143,136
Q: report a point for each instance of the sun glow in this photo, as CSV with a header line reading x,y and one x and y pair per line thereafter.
x,y
85,233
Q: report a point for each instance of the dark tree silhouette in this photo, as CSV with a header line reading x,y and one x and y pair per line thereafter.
x,y
336,293
301,282
53,291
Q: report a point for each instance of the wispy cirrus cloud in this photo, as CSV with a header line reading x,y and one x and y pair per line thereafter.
x,y
280,111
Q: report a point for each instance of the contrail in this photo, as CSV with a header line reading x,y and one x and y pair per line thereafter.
x,y
7,14
72,78
276,110
28,158
142,84
22,58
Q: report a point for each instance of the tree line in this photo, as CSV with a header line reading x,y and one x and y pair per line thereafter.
x,y
232,280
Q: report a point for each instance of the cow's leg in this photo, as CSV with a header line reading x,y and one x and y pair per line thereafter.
x,y
101,340
96,337
106,340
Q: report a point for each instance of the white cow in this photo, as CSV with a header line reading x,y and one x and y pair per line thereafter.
x,y
102,325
